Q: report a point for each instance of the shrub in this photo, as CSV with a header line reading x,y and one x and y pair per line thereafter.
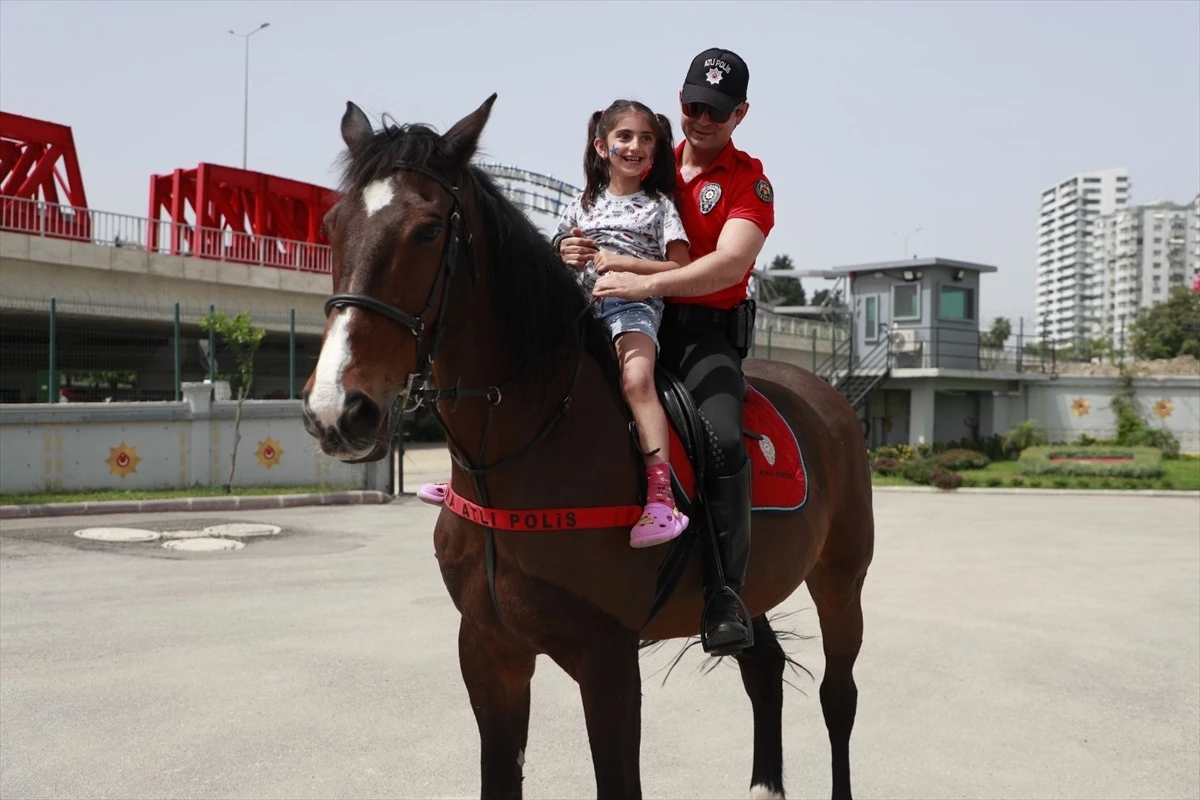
x,y
994,480
990,446
1017,480
962,459
1024,435
1061,483
1146,461
918,472
945,479
969,481
885,466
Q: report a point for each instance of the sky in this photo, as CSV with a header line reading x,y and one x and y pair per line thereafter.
x,y
872,119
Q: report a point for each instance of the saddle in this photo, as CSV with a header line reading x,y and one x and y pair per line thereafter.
x,y
779,480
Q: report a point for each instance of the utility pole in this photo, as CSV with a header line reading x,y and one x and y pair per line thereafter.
x,y
246,91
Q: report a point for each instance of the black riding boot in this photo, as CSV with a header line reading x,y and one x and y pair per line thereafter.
x,y
726,622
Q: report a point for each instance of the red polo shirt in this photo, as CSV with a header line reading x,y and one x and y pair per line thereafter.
x,y
732,187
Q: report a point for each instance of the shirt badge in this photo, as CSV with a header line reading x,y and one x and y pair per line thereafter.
x,y
764,191
709,195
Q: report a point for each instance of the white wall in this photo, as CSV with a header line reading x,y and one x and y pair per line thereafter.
x,y
1052,402
65,447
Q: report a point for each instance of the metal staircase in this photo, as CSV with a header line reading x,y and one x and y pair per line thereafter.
x,y
857,379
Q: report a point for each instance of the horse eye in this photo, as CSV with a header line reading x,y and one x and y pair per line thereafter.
x,y
429,232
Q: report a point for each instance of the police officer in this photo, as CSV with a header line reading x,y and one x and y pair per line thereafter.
x,y
727,207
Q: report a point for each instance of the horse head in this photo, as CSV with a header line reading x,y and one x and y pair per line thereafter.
x,y
399,236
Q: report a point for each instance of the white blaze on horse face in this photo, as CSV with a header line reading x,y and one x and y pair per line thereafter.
x,y
327,396
377,195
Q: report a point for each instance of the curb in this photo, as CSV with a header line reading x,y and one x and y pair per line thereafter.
x,y
1190,494
235,503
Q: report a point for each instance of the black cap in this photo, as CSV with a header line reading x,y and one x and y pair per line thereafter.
x,y
717,77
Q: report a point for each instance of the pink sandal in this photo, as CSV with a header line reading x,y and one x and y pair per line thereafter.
x,y
661,521
432,493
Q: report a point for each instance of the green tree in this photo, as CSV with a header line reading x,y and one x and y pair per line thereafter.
x,y
1169,329
998,335
785,291
823,296
241,339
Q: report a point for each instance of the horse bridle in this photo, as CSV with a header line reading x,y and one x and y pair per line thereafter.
x,y
416,381
456,233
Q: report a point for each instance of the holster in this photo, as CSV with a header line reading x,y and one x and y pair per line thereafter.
x,y
741,326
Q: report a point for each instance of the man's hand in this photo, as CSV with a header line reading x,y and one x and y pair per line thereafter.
x,y
625,285
576,250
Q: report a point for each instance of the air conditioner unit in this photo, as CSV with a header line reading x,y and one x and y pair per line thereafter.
x,y
904,340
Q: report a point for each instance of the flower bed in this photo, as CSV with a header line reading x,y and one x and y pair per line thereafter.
x,y
1118,462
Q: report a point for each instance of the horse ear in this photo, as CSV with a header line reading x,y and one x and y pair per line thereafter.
x,y
356,128
462,139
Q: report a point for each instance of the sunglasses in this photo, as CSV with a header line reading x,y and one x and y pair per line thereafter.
x,y
697,110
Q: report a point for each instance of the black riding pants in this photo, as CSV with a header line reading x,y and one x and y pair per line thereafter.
x,y
709,366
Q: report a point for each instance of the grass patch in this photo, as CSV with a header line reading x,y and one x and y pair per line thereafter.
x,y
1181,474
1138,462
100,496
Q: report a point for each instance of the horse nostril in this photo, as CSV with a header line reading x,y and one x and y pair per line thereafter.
x,y
360,417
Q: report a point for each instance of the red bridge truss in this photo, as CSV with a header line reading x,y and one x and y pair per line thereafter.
x,y
238,215
37,160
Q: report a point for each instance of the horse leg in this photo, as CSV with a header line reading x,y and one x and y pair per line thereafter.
x,y
497,675
761,666
610,685
838,599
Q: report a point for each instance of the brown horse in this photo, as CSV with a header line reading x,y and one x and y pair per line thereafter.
x,y
442,283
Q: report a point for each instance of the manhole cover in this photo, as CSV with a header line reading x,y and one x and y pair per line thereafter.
x,y
238,530
117,534
184,534
204,545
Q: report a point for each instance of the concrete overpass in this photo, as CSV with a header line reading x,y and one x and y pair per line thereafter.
x,y
115,312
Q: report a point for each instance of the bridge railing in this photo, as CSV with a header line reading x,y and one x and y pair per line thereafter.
x,y
36,217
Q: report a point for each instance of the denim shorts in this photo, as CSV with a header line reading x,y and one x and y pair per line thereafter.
x,y
631,316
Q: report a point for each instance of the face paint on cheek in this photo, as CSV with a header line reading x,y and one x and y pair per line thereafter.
x,y
614,151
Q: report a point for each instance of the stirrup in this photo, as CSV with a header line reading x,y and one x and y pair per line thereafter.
x,y
432,493
735,647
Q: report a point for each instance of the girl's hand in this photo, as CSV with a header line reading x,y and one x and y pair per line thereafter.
x,y
605,261
624,285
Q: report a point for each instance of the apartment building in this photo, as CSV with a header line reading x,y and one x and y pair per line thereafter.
x,y
1070,293
1139,254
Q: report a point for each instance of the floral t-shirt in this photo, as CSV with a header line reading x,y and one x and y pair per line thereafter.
x,y
634,225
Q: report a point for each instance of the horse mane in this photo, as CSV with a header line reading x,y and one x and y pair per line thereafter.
x,y
540,296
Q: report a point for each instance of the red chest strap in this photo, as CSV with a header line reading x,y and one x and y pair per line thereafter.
x,y
543,519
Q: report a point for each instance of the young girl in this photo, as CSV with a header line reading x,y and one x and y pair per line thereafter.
x,y
627,209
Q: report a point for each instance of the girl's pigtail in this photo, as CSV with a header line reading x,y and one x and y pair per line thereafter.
x,y
595,169
661,178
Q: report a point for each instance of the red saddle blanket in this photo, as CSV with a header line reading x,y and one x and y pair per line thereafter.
x,y
780,481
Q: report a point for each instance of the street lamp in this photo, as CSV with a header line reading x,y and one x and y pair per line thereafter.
x,y
906,235
246,90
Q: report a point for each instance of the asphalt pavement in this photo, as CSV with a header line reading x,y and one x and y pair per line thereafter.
x,y
1015,647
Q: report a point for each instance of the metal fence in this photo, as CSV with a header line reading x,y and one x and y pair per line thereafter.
x,y
172,238
946,348
73,352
